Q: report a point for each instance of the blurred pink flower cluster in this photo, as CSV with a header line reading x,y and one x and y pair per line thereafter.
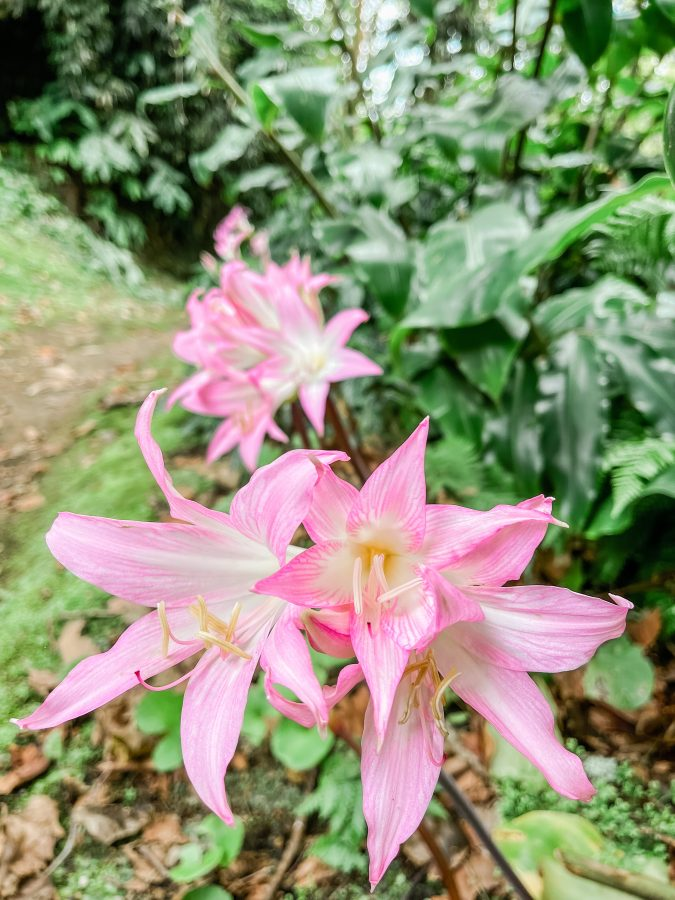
x,y
258,340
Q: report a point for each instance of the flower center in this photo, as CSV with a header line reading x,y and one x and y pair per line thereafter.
x,y
371,588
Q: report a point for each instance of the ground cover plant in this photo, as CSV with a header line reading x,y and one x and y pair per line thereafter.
x,y
481,188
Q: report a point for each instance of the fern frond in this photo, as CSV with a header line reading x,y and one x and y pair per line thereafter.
x,y
638,241
453,465
633,465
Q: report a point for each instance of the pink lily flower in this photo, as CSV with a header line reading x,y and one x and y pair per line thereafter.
x,y
263,334
231,232
196,573
422,588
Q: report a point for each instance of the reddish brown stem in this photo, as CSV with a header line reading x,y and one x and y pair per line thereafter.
x,y
345,441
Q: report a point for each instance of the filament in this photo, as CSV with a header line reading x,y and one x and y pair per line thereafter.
x,y
401,589
356,584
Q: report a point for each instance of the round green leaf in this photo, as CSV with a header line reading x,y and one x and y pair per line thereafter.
x,y
299,748
168,755
619,674
208,892
159,712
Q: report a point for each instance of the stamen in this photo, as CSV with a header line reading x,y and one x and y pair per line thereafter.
x,y
233,620
210,639
401,589
377,566
356,585
437,699
166,631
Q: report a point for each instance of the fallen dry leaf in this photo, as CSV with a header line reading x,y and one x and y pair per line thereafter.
x,y
165,830
110,823
27,842
116,729
312,872
27,762
29,502
42,681
646,629
127,611
72,644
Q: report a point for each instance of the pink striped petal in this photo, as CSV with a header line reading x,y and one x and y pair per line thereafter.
x,y
349,363
313,400
276,499
452,604
348,678
511,702
328,630
319,576
390,509
383,662
412,622
485,547
148,562
398,779
100,678
213,711
341,327
287,662
332,500
538,628
181,508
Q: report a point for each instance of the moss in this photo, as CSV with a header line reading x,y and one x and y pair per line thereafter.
x,y
93,873
102,474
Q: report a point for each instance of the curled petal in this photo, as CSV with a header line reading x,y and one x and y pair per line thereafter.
x,y
104,676
276,500
313,400
181,508
383,663
213,710
348,678
485,547
286,661
328,630
332,500
511,702
398,779
538,628
341,327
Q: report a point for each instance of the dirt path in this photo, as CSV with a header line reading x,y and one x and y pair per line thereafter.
x,y
49,376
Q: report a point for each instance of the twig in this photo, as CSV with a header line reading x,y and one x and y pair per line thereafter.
x,y
64,853
299,425
629,882
466,809
151,857
447,875
469,757
352,51
343,438
290,157
522,136
291,850
514,33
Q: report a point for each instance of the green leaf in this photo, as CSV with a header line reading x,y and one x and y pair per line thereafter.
x,y
620,674
530,839
423,8
669,135
208,892
650,380
495,287
299,748
305,94
159,712
525,429
574,428
587,25
220,844
667,7
266,110
203,36
261,35
484,353
383,259
257,715
168,753
230,145
167,93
